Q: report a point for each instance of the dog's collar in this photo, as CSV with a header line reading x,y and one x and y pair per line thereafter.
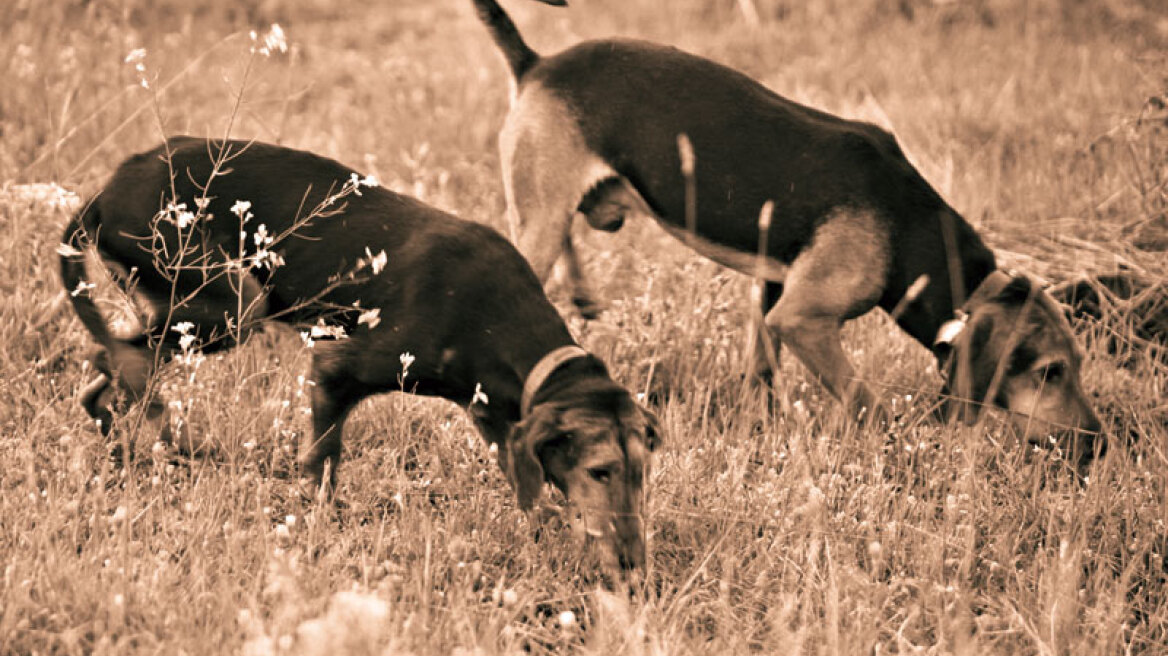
x,y
990,287
543,369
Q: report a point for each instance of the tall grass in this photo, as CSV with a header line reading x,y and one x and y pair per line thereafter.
x,y
775,527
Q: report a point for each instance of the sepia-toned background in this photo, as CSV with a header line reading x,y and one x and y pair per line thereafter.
x,y
774,528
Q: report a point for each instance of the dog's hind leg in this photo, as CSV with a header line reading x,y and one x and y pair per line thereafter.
x,y
544,185
220,312
605,207
539,210
582,296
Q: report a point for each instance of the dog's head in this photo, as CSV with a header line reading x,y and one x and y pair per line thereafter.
x,y
1014,349
593,442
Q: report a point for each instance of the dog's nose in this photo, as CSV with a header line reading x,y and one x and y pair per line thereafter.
x,y
629,532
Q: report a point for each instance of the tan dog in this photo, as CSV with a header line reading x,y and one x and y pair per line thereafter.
x,y
454,294
615,126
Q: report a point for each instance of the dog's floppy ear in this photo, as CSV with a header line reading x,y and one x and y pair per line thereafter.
x,y
652,429
969,371
1017,291
523,464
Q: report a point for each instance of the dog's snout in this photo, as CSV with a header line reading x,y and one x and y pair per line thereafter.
x,y
621,541
629,534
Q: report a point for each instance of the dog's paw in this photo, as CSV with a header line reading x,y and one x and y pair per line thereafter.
x,y
98,399
315,492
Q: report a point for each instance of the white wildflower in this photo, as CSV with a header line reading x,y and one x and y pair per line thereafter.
x,y
353,184
370,317
406,360
261,236
184,219
376,262
273,41
137,58
323,330
82,288
242,209
479,395
65,250
264,256
178,214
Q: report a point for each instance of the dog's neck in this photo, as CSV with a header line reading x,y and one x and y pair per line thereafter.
x,y
513,379
988,289
543,370
954,269
572,368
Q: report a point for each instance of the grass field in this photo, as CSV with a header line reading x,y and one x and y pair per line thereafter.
x,y
779,530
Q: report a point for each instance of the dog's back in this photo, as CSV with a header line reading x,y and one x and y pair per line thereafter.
x,y
751,144
297,198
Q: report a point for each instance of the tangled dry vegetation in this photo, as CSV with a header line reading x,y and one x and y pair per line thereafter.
x,y
775,528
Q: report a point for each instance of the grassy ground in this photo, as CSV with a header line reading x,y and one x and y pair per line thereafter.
x,y
771,532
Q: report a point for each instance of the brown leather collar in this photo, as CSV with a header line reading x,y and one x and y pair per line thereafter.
x,y
544,368
988,288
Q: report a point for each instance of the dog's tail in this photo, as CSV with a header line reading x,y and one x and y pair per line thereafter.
x,y
520,56
73,274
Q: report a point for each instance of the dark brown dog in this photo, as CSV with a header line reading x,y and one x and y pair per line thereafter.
x,y
325,249
611,127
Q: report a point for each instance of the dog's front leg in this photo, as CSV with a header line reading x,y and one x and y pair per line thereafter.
x,y
334,393
765,344
495,432
816,341
839,276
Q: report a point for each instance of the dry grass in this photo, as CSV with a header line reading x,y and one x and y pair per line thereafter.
x,y
772,532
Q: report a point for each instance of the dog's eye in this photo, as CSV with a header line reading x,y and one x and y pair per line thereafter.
x,y
1053,372
601,475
